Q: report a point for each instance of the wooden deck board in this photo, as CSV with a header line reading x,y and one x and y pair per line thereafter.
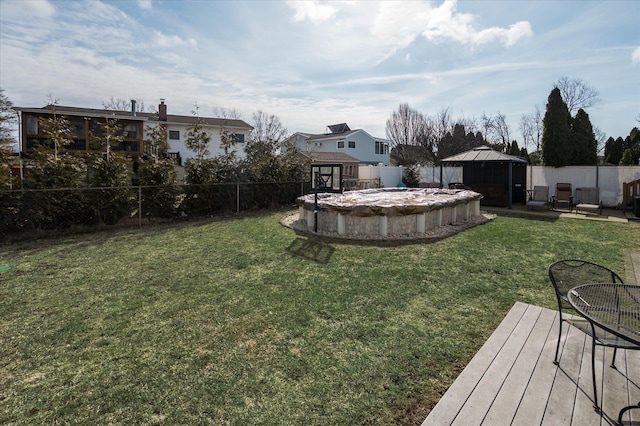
x,y
512,378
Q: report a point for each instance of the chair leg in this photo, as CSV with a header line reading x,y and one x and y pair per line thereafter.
x,y
555,360
613,360
593,373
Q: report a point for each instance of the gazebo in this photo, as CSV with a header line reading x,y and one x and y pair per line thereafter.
x,y
500,178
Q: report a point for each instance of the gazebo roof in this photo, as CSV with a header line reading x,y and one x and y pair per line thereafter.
x,y
483,154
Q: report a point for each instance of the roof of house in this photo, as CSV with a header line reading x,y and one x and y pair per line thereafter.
x,y
329,157
141,116
331,135
483,153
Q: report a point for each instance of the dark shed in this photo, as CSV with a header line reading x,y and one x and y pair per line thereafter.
x,y
500,178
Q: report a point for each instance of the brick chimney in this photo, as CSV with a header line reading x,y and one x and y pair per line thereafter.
x,y
162,111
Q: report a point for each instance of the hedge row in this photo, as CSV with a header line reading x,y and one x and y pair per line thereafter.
x,y
59,209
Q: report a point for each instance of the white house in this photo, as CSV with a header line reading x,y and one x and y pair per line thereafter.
x,y
178,127
355,143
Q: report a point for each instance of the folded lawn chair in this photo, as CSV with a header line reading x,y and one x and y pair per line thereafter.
x,y
539,198
563,196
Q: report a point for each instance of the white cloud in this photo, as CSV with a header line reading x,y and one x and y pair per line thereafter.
x,y
144,4
508,37
395,25
312,10
161,40
445,23
635,56
28,10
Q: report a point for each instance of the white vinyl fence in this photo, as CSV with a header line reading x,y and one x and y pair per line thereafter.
x,y
391,176
608,179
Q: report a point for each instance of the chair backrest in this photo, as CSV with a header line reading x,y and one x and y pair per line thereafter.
x,y
589,196
568,273
563,191
540,193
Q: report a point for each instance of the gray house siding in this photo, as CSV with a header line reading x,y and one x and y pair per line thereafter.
x,y
356,143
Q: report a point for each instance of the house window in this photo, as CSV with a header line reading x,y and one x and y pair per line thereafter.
x,y
349,171
32,125
352,144
239,138
77,127
131,131
382,147
340,144
174,134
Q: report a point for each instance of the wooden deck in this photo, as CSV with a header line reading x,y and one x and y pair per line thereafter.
x,y
512,379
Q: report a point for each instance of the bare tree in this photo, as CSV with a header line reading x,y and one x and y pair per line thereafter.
x,y
228,113
403,126
405,129
531,129
577,94
265,150
445,135
601,139
267,128
433,136
538,122
496,129
120,104
526,127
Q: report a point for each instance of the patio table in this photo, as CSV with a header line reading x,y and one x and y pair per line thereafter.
x,y
614,308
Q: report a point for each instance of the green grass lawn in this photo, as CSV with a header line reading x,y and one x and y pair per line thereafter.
x,y
240,321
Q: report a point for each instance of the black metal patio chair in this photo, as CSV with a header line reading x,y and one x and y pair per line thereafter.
x,y
568,273
565,275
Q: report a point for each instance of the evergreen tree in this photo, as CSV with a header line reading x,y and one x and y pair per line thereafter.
x,y
108,136
57,131
514,149
161,200
613,150
555,136
7,119
584,147
197,168
627,158
198,140
632,142
156,142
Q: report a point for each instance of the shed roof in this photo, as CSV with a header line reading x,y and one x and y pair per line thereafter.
x,y
483,154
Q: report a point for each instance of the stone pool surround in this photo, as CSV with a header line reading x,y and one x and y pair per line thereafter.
x,y
389,213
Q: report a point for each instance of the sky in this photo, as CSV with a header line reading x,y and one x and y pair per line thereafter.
x,y
317,63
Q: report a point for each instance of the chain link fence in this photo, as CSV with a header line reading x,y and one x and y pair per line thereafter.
x,y
29,210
